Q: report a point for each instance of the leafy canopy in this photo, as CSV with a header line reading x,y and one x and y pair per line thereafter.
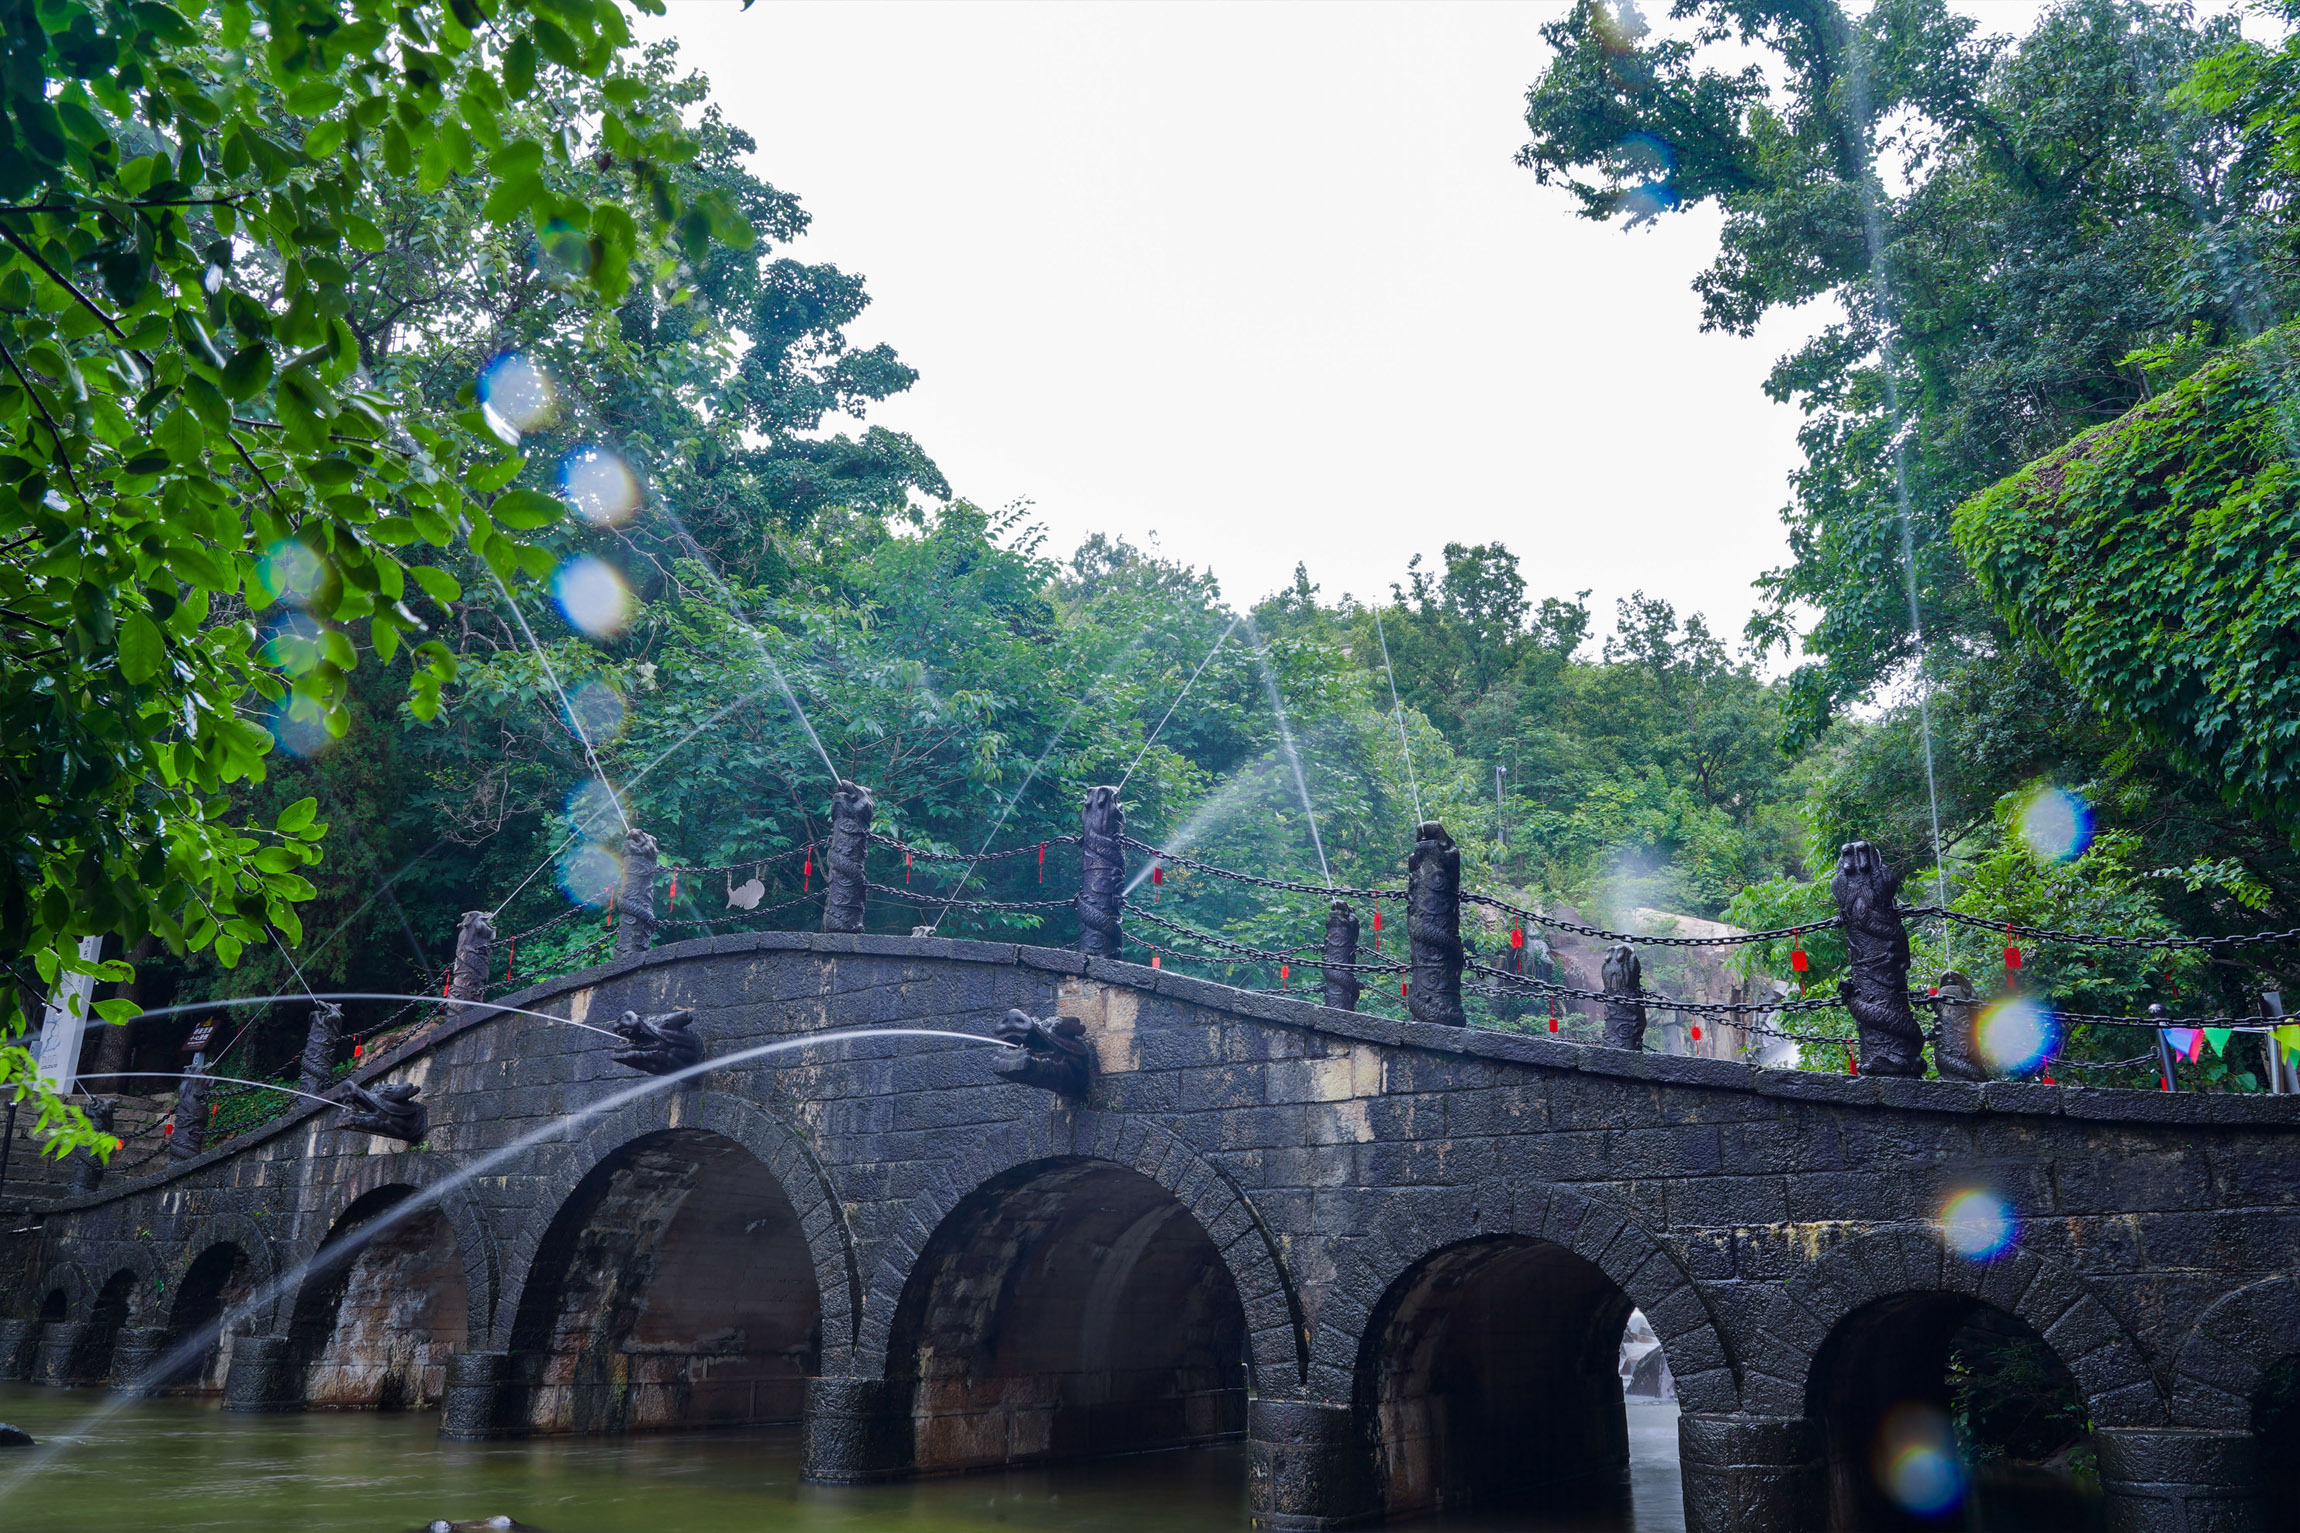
x,y
215,507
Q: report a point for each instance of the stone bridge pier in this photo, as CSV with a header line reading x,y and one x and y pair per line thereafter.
x,y
1394,1257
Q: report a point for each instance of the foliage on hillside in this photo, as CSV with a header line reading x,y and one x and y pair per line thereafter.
x,y
2156,559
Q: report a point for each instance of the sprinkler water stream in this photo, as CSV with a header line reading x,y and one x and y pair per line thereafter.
x,y
1397,709
1286,737
26,1465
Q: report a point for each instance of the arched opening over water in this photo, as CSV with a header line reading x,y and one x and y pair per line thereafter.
x,y
218,1279
1489,1379
2276,1423
1067,1309
674,1288
378,1314
1941,1411
91,1360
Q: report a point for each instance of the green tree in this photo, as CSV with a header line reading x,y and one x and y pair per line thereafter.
x,y
215,508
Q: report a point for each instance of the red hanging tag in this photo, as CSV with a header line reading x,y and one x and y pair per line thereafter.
x,y
2162,1084
446,981
1042,862
1517,936
1696,1032
1553,1013
2012,958
1154,963
906,870
1402,984
1285,972
1797,960
1377,931
357,1048
807,873
611,903
1852,1065
2049,1081
674,891
511,961
167,1128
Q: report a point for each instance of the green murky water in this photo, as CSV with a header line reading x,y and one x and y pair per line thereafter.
x,y
185,1465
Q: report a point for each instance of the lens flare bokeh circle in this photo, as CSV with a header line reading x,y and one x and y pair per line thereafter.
x,y
591,811
301,729
1917,1462
2055,824
588,873
595,711
293,572
599,485
2016,1034
1978,1224
296,644
516,396
592,597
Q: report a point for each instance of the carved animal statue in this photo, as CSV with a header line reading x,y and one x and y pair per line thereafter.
x,y
319,1044
659,1045
1956,1008
474,952
391,1111
1102,871
1625,977
1433,926
746,895
1052,1055
843,877
1876,988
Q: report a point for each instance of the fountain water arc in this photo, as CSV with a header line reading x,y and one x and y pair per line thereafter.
x,y
28,1465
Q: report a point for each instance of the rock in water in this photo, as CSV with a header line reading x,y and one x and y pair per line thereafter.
x,y
478,1525
14,1437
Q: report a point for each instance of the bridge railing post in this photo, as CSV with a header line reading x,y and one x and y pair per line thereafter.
x,y
1956,1012
466,980
844,872
1625,1018
1341,950
635,900
317,1066
1433,926
191,1131
1876,984
1102,874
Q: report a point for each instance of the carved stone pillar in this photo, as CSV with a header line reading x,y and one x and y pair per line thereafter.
x,y
1752,1474
474,956
87,1169
1102,874
1433,926
1624,1019
1876,988
1956,1048
191,1131
853,1431
1342,985
1308,1466
844,874
635,901
262,1376
137,1352
482,1397
2175,1480
19,1341
59,1339
320,1039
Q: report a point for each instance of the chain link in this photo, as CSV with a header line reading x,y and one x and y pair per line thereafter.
x,y
1307,956
1559,923
2097,939
970,858
923,898
1336,891
1661,1002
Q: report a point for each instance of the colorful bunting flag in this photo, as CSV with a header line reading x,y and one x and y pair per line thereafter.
x,y
2288,1039
2187,1042
2218,1037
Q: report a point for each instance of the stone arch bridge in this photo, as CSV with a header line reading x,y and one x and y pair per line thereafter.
x,y
1395,1257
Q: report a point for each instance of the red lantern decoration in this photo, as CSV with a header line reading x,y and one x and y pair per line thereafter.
x,y
1517,936
1696,1032
1797,961
2012,958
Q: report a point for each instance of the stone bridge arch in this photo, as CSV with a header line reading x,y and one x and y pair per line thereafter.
x,y
2229,1350
255,1244
1411,1228
2109,1368
475,1240
773,1142
1277,1337
65,1276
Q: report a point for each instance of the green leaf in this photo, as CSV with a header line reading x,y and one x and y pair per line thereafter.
x,y
248,371
297,815
437,584
361,233
526,510
142,653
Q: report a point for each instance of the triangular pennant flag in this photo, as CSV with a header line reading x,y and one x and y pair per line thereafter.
x,y
2195,1050
2187,1042
2288,1039
2218,1037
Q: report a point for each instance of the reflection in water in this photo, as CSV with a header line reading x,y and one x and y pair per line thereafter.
x,y
191,1465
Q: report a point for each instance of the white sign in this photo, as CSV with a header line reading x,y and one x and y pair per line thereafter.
x,y
65,1022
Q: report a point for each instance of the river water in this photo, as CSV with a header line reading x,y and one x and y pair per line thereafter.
x,y
189,1464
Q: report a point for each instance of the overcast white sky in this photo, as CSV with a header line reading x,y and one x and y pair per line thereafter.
x,y
1263,280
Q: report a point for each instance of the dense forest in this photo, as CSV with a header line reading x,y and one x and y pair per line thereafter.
x,y
707,596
